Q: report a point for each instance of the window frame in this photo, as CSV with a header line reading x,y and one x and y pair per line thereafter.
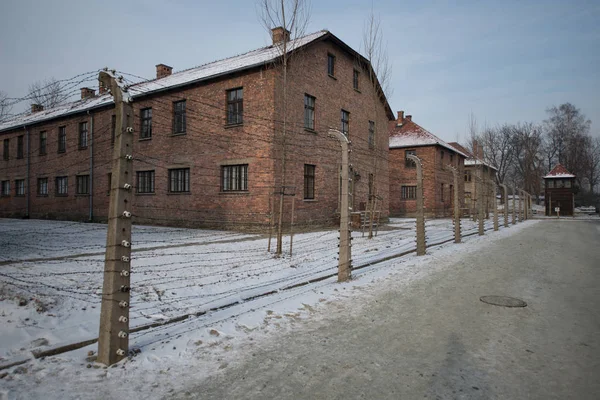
x,y
371,135
355,79
5,188
234,182
20,147
442,192
82,135
62,139
179,113
408,192
331,65
19,187
146,123
43,143
345,128
179,184
145,182
309,112
234,106
468,175
6,149
82,185
309,181
42,183
58,186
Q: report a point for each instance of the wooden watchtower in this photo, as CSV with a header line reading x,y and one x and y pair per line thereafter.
x,y
560,191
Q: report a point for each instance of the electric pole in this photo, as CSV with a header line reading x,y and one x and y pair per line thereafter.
x,y
345,253
113,341
421,245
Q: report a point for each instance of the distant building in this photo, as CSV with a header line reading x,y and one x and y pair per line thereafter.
x,y
408,137
560,191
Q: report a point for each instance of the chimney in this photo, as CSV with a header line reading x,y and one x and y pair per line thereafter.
x,y
87,93
400,117
279,35
409,118
163,70
36,108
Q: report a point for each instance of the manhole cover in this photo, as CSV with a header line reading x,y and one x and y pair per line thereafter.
x,y
503,301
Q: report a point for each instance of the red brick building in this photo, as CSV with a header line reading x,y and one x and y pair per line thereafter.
x,y
210,142
408,137
559,191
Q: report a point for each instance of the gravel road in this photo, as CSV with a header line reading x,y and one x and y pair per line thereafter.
x,y
435,339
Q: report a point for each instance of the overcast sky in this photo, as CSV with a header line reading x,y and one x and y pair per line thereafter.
x,y
504,61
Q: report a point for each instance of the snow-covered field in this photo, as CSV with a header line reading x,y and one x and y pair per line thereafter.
x,y
56,268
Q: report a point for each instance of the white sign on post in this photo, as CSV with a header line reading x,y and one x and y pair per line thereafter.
x,y
556,209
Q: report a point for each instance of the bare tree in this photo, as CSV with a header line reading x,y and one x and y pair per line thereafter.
x,y
5,107
528,156
293,16
591,163
48,93
498,146
379,71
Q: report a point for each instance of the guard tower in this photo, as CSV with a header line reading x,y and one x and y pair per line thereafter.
x,y
560,191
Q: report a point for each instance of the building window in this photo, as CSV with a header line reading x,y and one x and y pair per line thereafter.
x,y
568,184
371,134
409,192
42,186
234,178
407,161
83,135
309,112
442,192
355,79
5,188
179,180
146,123
331,64
20,146
179,122
43,140
235,106
61,185
113,129
442,155
20,187
468,176
62,139
550,184
83,184
309,181
345,122
6,148
145,182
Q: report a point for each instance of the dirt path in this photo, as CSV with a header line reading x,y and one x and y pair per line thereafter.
x,y
436,340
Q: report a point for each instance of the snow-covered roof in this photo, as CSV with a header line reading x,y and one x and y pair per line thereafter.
x,y
559,171
471,159
411,134
214,69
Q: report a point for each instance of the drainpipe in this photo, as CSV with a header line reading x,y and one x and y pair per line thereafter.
x,y
28,193
91,188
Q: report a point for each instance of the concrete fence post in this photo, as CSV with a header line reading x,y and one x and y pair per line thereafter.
x,y
480,210
457,236
514,205
421,245
493,189
505,198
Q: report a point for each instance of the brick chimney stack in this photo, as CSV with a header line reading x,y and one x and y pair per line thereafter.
x,y
163,70
36,108
409,118
87,93
400,117
279,35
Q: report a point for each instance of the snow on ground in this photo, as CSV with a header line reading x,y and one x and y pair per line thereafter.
x,y
199,270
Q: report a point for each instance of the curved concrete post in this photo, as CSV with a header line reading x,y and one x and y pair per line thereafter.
x,y
454,171
505,198
421,246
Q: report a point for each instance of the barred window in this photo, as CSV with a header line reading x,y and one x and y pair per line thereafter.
x,y
331,64
43,140
309,112
83,135
468,176
83,184
355,76
20,187
42,186
146,123
234,178
345,122
179,180
20,150
371,134
309,181
62,139
409,192
145,182
5,188
179,120
6,148
408,162
61,185
235,106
